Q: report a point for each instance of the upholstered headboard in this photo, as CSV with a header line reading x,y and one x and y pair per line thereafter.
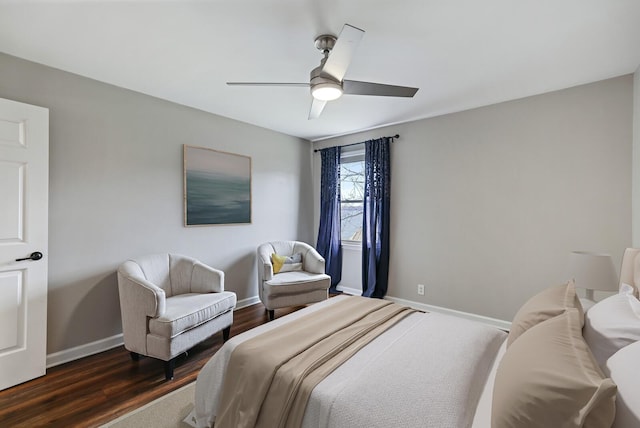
x,y
630,270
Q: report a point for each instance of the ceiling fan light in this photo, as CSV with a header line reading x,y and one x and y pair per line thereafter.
x,y
326,91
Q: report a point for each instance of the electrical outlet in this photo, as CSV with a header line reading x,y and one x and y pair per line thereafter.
x,y
421,289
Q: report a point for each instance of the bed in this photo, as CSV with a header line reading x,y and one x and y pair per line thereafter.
x,y
435,370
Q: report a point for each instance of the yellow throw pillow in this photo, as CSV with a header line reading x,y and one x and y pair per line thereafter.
x,y
286,263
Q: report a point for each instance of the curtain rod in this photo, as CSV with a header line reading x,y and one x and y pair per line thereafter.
x,y
354,144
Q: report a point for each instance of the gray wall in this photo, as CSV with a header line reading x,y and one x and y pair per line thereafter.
x,y
636,159
488,203
116,192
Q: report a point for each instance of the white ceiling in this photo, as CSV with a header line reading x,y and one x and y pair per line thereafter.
x,y
460,53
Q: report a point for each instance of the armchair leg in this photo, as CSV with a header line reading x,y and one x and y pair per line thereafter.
x,y
271,313
135,356
168,368
225,333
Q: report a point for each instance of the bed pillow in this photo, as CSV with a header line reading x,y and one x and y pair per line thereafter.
x,y
547,304
286,263
623,369
612,324
549,378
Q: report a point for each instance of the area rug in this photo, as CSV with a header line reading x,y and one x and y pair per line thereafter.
x,y
167,411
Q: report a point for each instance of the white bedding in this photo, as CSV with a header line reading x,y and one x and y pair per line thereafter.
x,y
482,418
428,370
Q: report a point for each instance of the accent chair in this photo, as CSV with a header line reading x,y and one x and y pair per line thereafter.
x,y
170,303
290,273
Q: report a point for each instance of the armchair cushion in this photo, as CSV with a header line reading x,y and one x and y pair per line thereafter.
x,y
295,282
186,311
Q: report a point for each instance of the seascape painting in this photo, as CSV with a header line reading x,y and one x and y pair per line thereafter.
x,y
217,187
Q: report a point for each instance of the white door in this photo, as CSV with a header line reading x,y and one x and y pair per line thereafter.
x,y
24,194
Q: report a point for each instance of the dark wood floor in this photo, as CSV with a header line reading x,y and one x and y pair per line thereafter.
x,y
96,389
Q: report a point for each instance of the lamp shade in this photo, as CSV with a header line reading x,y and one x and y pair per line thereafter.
x,y
593,271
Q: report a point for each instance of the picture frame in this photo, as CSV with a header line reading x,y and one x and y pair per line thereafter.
x,y
217,187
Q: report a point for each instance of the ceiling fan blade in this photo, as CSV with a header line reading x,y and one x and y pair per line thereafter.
x,y
341,54
354,87
316,108
306,85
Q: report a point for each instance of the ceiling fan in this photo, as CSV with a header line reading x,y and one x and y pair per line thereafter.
x,y
327,83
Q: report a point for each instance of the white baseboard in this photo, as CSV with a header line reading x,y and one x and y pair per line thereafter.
x,y
349,290
247,302
85,350
493,322
102,345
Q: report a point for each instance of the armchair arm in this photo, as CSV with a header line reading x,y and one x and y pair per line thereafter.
x,y
267,271
265,268
312,261
141,296
205,279
139,300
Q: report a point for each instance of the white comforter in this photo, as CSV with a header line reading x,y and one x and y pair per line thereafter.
x,y
427,371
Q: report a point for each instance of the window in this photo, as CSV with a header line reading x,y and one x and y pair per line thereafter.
x,y
352,194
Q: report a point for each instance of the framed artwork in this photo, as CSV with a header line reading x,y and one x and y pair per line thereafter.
x,y
217,187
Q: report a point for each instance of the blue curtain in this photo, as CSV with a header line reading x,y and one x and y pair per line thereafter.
x,y
375,228
329,242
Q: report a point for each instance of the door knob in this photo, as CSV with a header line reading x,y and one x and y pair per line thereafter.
x,y
34,256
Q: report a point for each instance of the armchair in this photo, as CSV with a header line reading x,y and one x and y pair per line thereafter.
x,y
307,283
169,303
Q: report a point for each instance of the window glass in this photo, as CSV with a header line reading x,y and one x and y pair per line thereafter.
x,y
352,195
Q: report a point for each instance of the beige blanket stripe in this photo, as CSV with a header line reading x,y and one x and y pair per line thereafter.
x,y
305,381
248,379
